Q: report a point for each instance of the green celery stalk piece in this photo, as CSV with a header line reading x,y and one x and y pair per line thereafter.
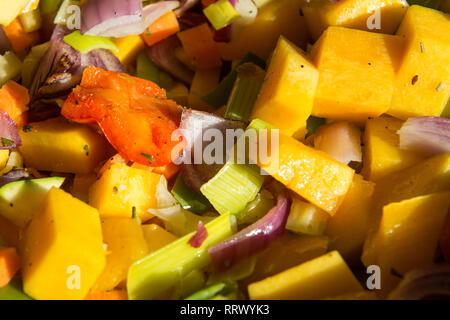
x,y
221,14
146,68
86,43
258,124
48,6
13,291
256,209
207,293
189,199
313,123
233,187
219,96
150,277
246,89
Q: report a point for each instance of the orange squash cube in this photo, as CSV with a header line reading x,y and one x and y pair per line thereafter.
x,y
356,73
422,86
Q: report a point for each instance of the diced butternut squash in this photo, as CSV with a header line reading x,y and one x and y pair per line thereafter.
x,y
107,295
408,235
311,173
129,47
287,95
81,185
9,264
157,237
347,229
4,156
444,239
427,177
320,14
356,73
9,10
287,252
10,232
162,28
422,86
122,190
200,47
19,38
14,100
382,153
322,277
205,81
280,17
57,145
125,244
63,249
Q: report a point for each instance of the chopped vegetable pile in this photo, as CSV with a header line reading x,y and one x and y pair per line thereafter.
x,y
224,149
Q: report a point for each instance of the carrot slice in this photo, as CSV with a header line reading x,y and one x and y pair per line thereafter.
x,y
162,28
20,40
14,100
9,264
200,47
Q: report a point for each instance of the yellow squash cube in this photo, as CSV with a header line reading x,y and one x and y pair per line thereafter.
x,y
311,173
409,235
277,18
427,177
63,251
157,237
61,146
287,94
4,156
122,190
347,229
129,47
382,153
9,10
287,252
81,185
320,14
323,277
205,81
125,244
356,73
422,86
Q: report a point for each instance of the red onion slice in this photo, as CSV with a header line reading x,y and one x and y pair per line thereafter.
x,y
61,68
426,134
12,176
120,18
99,16
194,124
252,239
5,45
185,6
9,135
162,54
431,282
199,237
